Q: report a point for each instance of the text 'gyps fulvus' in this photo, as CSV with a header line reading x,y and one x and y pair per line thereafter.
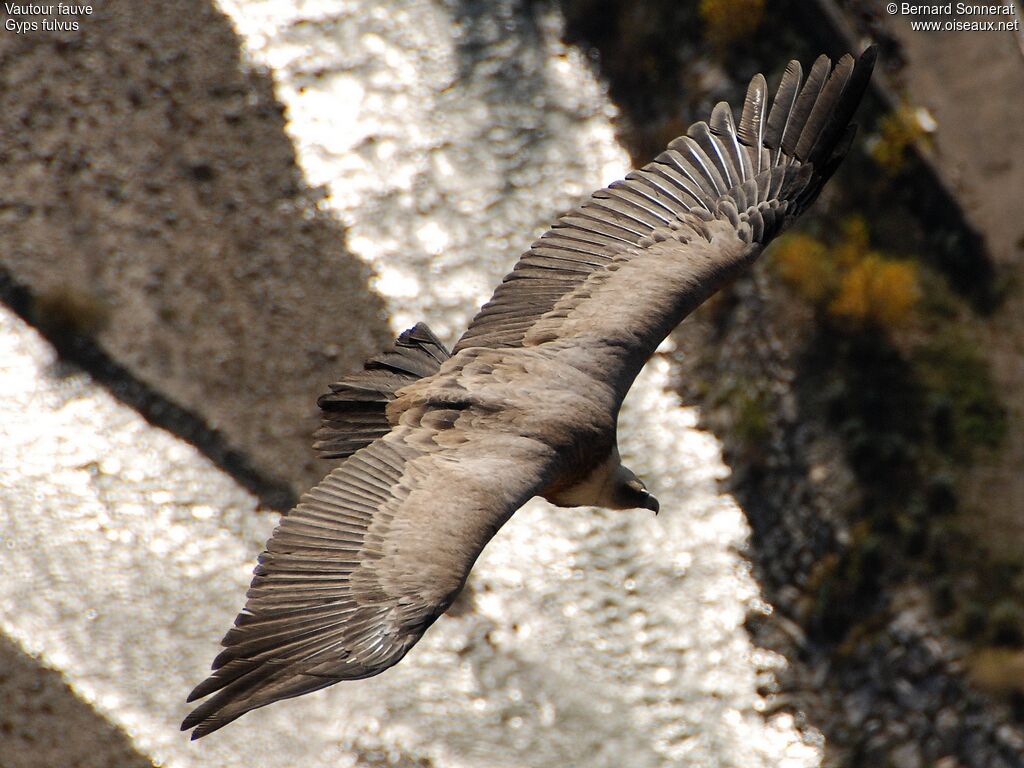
x,y
440,449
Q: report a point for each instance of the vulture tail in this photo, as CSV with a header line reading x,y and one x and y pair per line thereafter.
x,y
353,412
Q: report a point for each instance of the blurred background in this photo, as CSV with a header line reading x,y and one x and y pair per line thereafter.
x,y
211,210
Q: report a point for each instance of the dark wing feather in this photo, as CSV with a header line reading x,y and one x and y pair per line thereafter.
x,y
823,108
805,103
782,109
752,122
365,563
674,230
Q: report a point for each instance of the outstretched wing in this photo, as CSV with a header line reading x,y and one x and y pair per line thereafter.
x,y
366,562
625,267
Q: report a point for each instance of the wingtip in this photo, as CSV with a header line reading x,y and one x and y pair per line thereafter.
x,y
202,729
189,722
202,723
197,733
866,60
205,688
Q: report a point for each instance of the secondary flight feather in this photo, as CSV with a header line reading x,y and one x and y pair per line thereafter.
x,y
439,449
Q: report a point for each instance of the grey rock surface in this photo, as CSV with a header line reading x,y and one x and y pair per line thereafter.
x,y
43,723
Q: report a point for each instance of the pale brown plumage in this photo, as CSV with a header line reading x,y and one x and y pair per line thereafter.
x,y
441,449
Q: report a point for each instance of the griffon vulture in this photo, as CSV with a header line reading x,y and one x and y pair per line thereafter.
x,y
441,448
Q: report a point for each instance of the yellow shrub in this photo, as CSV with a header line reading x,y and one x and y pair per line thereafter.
x,y
877,291
729,21
855,245
849,280
804,262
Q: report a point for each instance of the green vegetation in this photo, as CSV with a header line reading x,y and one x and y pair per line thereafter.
x,y
961,393
749,403
892,363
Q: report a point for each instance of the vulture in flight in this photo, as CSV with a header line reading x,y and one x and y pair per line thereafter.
x,y
439,448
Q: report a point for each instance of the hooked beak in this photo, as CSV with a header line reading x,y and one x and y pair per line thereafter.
x,y
652,504
647,501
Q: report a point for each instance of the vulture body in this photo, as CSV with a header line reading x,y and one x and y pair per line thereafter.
x,y
441,448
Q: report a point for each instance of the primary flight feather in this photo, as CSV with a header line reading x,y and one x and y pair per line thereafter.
x,y
440,448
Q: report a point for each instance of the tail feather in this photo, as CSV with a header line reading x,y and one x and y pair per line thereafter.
x,y
353,413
